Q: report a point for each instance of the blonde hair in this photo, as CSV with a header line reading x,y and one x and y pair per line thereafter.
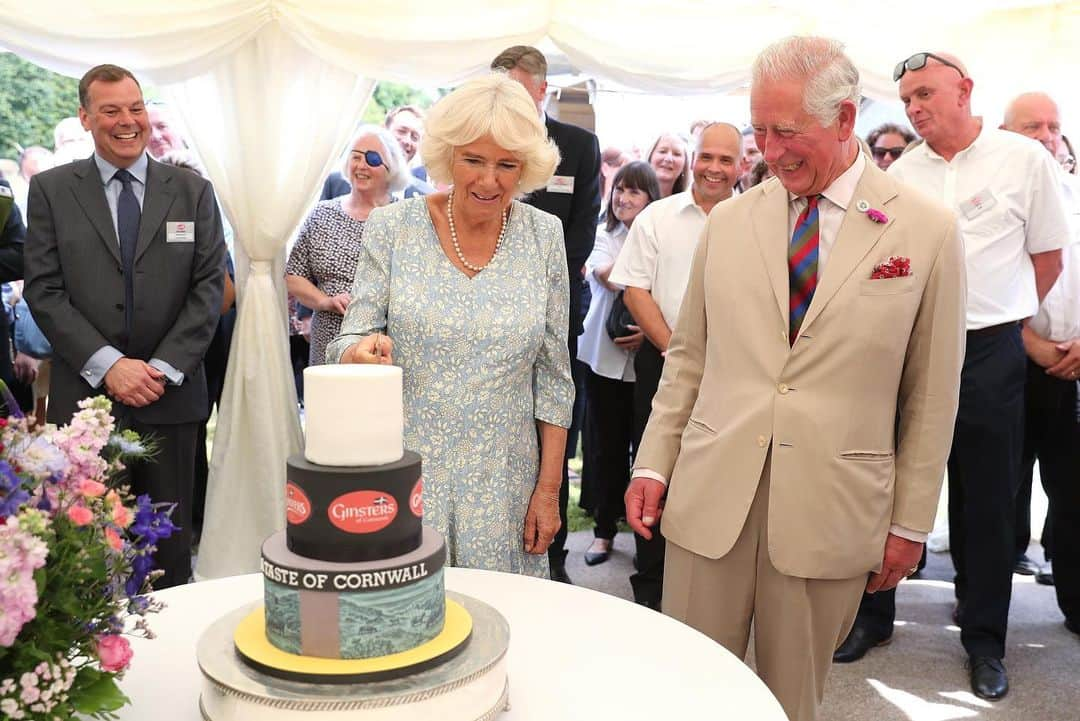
x,y
494,105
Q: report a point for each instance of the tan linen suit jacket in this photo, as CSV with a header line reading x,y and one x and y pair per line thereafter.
x,y
858,414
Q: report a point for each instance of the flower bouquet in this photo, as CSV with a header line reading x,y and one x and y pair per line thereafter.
x,y
75,564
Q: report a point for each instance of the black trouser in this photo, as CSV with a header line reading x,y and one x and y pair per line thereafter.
x,y
557,549
648,582
609,436
984,471
877,611
1052,435
168,477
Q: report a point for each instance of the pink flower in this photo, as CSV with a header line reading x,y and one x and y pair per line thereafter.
x,y
877,216
121,516
91,488
80,515
113,539
114,652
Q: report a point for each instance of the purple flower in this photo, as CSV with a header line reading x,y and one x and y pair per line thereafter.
x,y
877,216
12,495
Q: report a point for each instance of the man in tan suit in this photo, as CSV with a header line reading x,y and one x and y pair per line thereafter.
x,y
803,420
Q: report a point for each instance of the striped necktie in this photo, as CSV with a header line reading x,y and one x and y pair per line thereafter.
x,y
802,266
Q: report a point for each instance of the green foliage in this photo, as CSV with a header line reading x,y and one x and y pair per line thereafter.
x,y
390,95
32,101
96,694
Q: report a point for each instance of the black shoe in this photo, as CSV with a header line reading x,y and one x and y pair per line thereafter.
x,y
988,678
653,604
1025,566
1073,626
558,573
858,642
1045,575
593,558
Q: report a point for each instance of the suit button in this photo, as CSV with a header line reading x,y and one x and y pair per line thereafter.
x,y
119,306
762,441
782,388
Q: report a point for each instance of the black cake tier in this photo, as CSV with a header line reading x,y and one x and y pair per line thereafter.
x,y
353,514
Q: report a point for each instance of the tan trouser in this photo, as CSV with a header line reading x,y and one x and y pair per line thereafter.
x,y
798,622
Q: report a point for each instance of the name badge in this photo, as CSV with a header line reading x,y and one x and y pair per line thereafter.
x,y
978,204
181,232
561,184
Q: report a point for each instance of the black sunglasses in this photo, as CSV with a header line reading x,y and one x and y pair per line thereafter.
x,y
918,62
372,158
880,153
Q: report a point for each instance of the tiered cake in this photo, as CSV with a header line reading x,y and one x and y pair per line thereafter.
x,y
353,587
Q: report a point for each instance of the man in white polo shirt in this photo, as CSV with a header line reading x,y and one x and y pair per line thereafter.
x,y
1052,340
654,266
1006,194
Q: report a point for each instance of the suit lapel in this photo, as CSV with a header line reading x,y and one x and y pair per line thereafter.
x,y
857,236
770,220
90,195
156,203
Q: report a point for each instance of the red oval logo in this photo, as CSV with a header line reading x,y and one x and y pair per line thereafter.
x,y
362,511
416,499
297,505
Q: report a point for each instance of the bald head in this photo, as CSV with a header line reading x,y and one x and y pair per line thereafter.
x,y
937,100
1036,116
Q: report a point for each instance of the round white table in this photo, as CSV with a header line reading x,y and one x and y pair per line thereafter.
x,y
574,654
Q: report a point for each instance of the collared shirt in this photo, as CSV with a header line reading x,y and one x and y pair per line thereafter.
x,y
595,347
659,250
831,213
106,356
1058,318
1005,191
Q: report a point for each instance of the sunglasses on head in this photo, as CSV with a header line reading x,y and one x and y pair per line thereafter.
x,y
880,153
372,158
918,62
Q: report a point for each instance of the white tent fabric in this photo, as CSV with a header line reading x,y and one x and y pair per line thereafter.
x,y
270,89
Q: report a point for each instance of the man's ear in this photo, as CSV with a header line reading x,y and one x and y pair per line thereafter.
x,y
845,121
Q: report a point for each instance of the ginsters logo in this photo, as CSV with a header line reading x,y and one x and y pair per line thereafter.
x,y
416,499
363,511
297,505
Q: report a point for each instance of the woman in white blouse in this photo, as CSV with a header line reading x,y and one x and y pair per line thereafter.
x,y
609,382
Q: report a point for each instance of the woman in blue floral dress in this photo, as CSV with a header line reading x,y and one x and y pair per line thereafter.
x,y
470,289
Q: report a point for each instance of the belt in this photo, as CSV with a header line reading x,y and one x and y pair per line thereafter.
x,y
992,329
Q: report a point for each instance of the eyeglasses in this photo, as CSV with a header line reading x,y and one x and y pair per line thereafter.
x,y
880,153
918,62
372,158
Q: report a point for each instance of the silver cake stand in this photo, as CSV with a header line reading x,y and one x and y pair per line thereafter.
x,y
232,691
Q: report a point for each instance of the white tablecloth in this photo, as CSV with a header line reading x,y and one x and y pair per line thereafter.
x,y
574,654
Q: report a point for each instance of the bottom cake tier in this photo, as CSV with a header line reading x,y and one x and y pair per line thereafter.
x,y
471,686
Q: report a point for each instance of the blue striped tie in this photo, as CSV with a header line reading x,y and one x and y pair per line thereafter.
x,y
802,266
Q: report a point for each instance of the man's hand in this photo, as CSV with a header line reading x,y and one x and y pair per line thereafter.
x,y
26,368
631,342
901,559
335,303
1043,352
134,383
1068,368
644,504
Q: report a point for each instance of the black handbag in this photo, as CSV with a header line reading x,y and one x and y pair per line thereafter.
x,y
619,319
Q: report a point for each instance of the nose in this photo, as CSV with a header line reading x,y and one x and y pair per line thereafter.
x,y
771,147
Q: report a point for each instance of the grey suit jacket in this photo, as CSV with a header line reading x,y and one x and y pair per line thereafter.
x,y
75,283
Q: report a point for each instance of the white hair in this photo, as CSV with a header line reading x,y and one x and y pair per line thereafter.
x,y
830,76
397,168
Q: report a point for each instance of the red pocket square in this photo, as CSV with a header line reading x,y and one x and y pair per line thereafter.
x,y
897,266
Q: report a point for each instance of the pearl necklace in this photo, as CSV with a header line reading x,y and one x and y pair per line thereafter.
x,y
454,239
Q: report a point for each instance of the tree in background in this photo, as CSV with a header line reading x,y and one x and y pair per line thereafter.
x,y
391,95
32,101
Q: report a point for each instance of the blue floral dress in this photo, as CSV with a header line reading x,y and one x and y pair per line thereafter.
x,y
483,359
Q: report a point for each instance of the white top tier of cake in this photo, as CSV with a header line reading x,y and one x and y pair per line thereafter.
x,y
353,414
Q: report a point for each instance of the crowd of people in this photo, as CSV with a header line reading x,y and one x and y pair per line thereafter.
x,y
775,338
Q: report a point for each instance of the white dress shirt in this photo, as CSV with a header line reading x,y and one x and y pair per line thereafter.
x,y
595,347
1058,318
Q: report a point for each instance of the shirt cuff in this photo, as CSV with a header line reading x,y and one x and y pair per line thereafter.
x,y
647,473
907,533
99,364
174,376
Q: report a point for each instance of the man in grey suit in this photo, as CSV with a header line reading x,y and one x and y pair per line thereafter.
x,y
124,274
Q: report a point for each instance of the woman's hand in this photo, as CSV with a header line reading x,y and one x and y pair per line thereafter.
x,y
631,342
335,303
541,520
375,348
602,274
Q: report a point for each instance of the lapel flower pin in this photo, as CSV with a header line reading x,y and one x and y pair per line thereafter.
x,y
872,213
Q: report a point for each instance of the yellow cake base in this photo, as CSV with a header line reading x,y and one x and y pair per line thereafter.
x,y
256,650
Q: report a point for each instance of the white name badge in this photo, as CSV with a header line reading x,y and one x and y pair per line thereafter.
x,y
561,184
182,232
978,204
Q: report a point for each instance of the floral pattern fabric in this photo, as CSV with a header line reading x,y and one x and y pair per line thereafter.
x,y
483,359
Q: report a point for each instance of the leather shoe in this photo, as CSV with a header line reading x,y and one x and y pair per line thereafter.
x,y
988,678
1073,626
1045,575
1025,566
593,558
654,604
858,642
558,573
